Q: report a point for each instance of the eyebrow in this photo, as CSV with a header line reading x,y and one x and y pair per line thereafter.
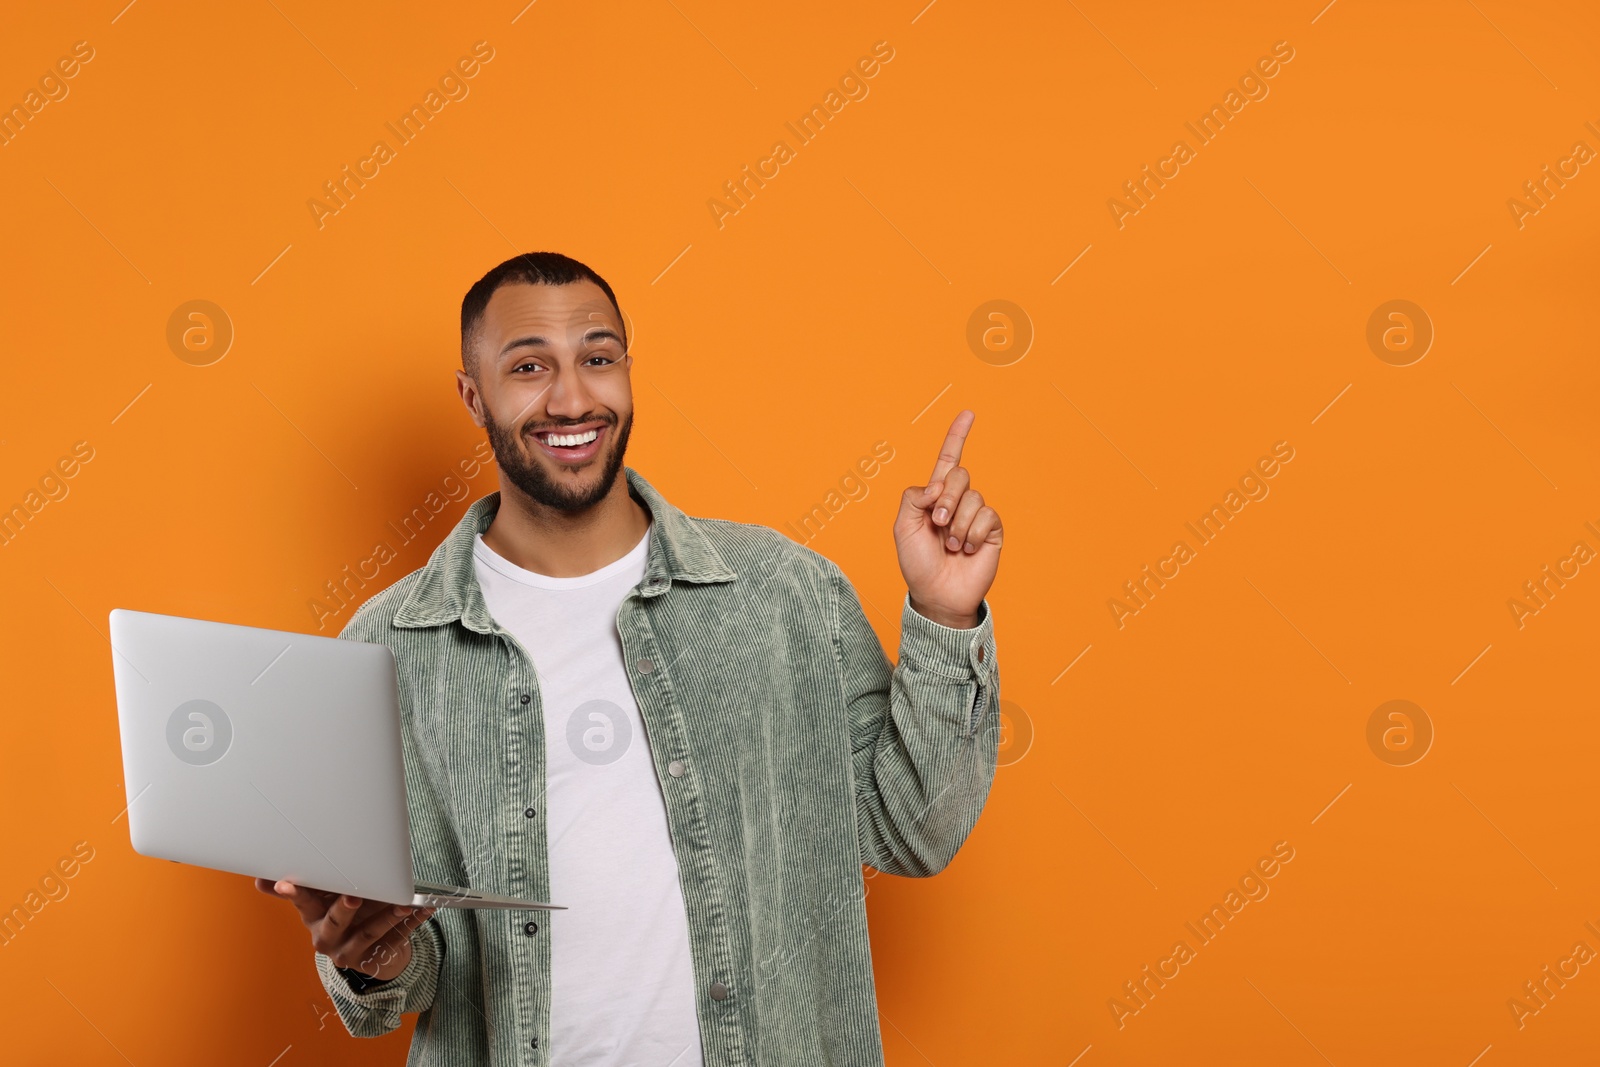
x,y
537,341
524,342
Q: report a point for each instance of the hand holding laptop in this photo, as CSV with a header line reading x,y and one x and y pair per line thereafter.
x,y
370,936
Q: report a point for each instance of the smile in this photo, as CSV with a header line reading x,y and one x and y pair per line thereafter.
x,y
569,440
572,447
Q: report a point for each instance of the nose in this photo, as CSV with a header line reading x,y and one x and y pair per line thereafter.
x,y
568,397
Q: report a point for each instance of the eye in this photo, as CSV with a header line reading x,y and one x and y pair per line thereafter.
x,y
524,365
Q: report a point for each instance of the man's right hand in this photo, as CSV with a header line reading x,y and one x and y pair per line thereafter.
x,y
370,936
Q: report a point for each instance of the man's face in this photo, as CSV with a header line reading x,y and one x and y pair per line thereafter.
x,y
554,389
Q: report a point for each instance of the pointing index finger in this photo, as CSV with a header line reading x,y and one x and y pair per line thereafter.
x,y
950,451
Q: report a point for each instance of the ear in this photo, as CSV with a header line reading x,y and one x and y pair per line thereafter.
x,y
470,397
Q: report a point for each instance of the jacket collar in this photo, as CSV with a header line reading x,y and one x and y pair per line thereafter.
x,y
448,587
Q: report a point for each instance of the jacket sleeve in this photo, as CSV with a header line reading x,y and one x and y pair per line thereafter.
x,y
924,734
377,1011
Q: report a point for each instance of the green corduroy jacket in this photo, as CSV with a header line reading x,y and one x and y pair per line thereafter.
x,y
790,754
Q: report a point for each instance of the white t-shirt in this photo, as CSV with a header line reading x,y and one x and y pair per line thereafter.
x,y
623,979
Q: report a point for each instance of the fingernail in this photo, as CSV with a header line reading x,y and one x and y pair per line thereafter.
x,y
941,515
953,542
351,901
970,547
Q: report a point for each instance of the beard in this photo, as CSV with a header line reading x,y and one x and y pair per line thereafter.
x,y
529,474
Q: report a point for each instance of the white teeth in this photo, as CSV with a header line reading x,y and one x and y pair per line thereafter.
x,y
570,440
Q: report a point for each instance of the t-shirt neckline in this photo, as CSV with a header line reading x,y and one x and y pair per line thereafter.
x,y
492,559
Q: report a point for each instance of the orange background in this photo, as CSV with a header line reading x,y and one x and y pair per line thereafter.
x,y
828,314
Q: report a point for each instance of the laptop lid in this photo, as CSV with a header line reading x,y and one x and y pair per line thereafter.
x,y
263,752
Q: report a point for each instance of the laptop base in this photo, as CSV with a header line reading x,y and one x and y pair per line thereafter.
x,y
429,895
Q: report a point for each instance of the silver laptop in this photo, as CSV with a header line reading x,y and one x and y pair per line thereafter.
x,y
270,753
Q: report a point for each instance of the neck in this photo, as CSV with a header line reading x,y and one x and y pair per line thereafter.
x,y
566,544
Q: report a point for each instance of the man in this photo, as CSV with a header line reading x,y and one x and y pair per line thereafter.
x,y
683,729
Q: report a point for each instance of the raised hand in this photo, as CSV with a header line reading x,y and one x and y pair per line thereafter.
x,y
947,538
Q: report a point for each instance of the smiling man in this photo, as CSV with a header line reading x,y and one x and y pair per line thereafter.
x,y
683,729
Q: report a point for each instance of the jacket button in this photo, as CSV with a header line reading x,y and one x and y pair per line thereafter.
x,y
646,666
530,813
719,991
531,929
526,698
675,768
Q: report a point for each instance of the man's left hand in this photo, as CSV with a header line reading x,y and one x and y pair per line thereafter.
x,y
948,539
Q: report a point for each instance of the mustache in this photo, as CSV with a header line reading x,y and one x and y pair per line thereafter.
x,y
556,427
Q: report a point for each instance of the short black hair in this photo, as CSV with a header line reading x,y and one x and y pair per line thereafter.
x,y
529,268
